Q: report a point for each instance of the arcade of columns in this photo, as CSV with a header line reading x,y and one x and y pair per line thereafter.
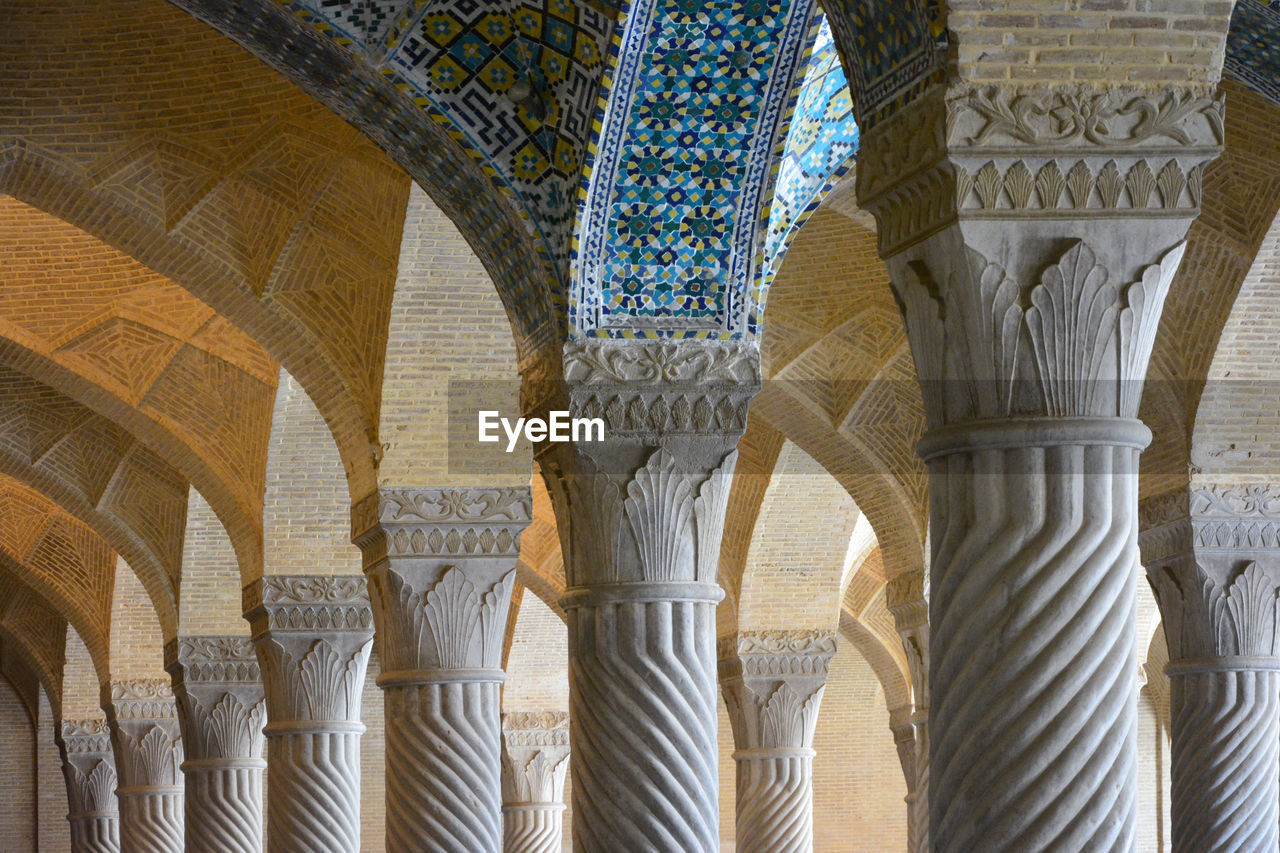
x,y
1041,235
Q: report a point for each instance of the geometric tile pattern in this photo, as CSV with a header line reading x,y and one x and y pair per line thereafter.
x,y
515,82
1253,47
667,236
891,50
822,140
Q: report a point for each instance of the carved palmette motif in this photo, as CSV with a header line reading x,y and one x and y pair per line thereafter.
x,y
772,683
1206,620
1075,343
454,623
535,757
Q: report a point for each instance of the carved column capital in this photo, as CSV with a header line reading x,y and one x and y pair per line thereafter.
x,y
313,635
148,749
440,564
218,684
772,683
535,758
88,766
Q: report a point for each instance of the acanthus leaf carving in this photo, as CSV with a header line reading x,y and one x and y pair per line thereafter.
x,y
454,624
324,684
659,506
1206,620
1139,320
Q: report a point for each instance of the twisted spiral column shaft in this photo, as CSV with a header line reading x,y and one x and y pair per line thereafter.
x,y
532,827
1033,715
444,764
775,800
313,787
1226,756
151,820
642,704
224,805
95,833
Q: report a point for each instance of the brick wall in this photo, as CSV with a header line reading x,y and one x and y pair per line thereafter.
x,y
538,665
209,601
53,832
796,558
18,769
373,786
447,323
1138,41
80,695
307,514
137,646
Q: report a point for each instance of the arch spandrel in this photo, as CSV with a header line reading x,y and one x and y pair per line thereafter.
x,y
236,186
37,634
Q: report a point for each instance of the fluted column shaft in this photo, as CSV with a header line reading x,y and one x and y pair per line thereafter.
x,y
642,513
88,766
148,749
1226,755
535,759
772,683
907,598
218,685
312,636
441,570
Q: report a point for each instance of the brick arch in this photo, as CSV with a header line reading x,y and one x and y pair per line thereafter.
x,y
412,137
37,635
795,564
236,186
865,620
61,560
841,383
101,475
1213,370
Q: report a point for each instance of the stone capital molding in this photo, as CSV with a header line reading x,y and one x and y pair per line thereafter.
x,y
140,699
650,390
997,152
1206,620
1235,517
214,660
308,604
535,757
85,736
457,522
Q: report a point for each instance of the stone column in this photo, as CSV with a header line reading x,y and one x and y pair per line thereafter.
x,y
1215,568
772,683
90,771
148,749
1031,237
535,759
218,685
313,635
908,602
641,514
441,567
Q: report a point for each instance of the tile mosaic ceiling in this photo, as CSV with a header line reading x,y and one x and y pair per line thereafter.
x,y
1253,47
821,143
670,210
516,83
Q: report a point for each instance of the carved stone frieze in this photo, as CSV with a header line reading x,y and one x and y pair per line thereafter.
x,y
446,523
648,390
289,603
999,152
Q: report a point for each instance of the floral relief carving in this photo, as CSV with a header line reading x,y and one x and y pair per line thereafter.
x,y
1207,620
